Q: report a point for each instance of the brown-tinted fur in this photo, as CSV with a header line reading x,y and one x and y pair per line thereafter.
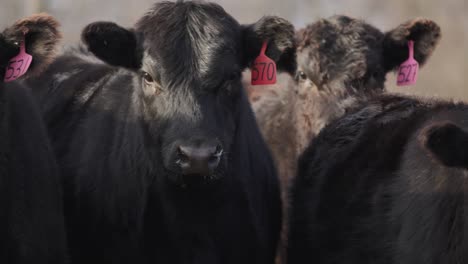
x,y
41,35
341,61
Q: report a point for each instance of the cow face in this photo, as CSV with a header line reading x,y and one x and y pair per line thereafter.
x,y
41,35
188,59
343,55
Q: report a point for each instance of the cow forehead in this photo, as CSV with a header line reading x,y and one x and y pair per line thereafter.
x,y
340,40
343,31
190,39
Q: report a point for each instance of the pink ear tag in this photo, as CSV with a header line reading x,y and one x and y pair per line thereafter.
x,y
263,69
18,65
408,72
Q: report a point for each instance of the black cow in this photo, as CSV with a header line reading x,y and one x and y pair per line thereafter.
x,y
161,156
31,218
385,184
388,181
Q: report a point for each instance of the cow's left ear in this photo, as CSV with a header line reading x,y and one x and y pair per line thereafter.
x,y
41,34
113,44
280,35
424,32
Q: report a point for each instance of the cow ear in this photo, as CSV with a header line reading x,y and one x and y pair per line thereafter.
x,y
8,49
424,32
41,35
448,143
281,42
113,44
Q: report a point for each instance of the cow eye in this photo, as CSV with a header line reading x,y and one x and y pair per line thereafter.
x,y
301,76
234,76
151,85
148,78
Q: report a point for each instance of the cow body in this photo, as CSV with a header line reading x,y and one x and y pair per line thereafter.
x,y
175,222
133,129
372,189
31,217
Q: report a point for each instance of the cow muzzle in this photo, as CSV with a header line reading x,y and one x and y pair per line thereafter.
x,y
198,159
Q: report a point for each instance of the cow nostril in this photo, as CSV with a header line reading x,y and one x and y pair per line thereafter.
x,y
218,152
214,159
182,156
198,160
216,156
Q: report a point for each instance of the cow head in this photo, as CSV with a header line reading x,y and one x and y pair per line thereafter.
x,y
345,55
342,60
41,35
187,59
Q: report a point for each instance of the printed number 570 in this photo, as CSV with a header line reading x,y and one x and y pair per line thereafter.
x,y
259,70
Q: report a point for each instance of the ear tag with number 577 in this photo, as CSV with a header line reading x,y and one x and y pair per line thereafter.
x,y
18,65
263,69
408,72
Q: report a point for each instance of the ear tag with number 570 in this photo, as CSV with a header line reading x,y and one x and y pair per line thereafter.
x,y
263,69
18,65
408,72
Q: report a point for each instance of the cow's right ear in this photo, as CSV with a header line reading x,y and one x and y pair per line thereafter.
x,y
281,39
113,44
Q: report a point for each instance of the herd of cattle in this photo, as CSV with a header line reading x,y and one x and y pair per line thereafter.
x,y
143,145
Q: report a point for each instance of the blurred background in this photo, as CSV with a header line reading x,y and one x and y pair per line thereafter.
x,y
444,76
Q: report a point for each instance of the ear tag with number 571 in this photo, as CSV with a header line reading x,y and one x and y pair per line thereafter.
x,y
263,69
408,72
18,65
